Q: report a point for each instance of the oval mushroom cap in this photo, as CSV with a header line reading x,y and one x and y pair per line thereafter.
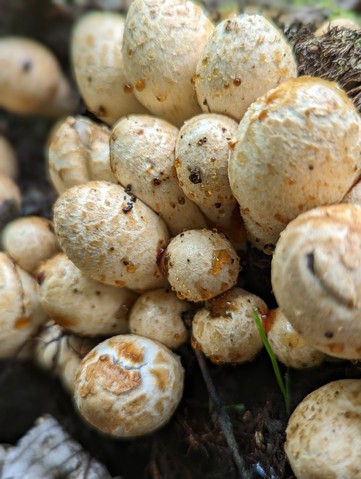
x,y
297,147
323,433
128,386
316,278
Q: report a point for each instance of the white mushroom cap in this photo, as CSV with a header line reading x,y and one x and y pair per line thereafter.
x,y
110,235
142,156
81,304
8,159
316,278
337,22
161,45
157,315
96,54
323,433
29,241
21,314
200,264
244,58
225,329
61,352
31,81
128,386
288,346
202,152
297,147
78,152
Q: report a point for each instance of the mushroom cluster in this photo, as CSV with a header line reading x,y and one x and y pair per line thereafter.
x,y
189,156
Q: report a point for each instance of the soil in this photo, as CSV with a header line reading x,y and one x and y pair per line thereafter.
x,y
218,400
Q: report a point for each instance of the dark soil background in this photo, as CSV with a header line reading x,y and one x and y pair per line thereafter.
x,y
193,444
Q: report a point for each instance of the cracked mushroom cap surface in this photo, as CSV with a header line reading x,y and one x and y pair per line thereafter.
x,y
244,58
110,235
323,432
297,147
129,386
316,278
161,45
200,264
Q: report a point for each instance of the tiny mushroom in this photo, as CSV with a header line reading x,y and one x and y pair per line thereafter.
x,y
288,346
244,58
29,241
225,329
8,159
316,278
78,152
336,23
142,156
110,235
96,55
161,45
128,386
200,264
81,304
31,81
157,315
296,147
322,435
10,200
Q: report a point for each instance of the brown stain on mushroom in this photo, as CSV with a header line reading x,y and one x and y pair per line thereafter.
x,y
282,219
127,350
223,304
139,85
161,376
203,292
268,319
22,322
62,321
137,404
160,359
336,348
219,259
128,88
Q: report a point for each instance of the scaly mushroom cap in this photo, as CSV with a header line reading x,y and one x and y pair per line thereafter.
x,y
128,386
297,147
323,433
142,155
244,58
316,278
161,45
225,329
110,235
96,54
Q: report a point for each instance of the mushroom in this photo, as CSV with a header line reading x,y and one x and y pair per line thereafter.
x,y
244,58
288,346
78,152
316,278
96,56
296,147
323,432
110,235
161,45
8,159
81,304
128,386
354,194
31,81
157,315
225,330
29,241
200,264
142,155
10,200
336,23
21,314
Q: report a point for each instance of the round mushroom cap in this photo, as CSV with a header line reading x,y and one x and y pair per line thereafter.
x,y
158,59
29,241
110,235
78,152
336,23
297,147
31,81
288,346
142,155
81,304
244,58
202,152
128,386
8,159
225,329
157,315
200,264
10,200
96,55
21,314
323,432
316,278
